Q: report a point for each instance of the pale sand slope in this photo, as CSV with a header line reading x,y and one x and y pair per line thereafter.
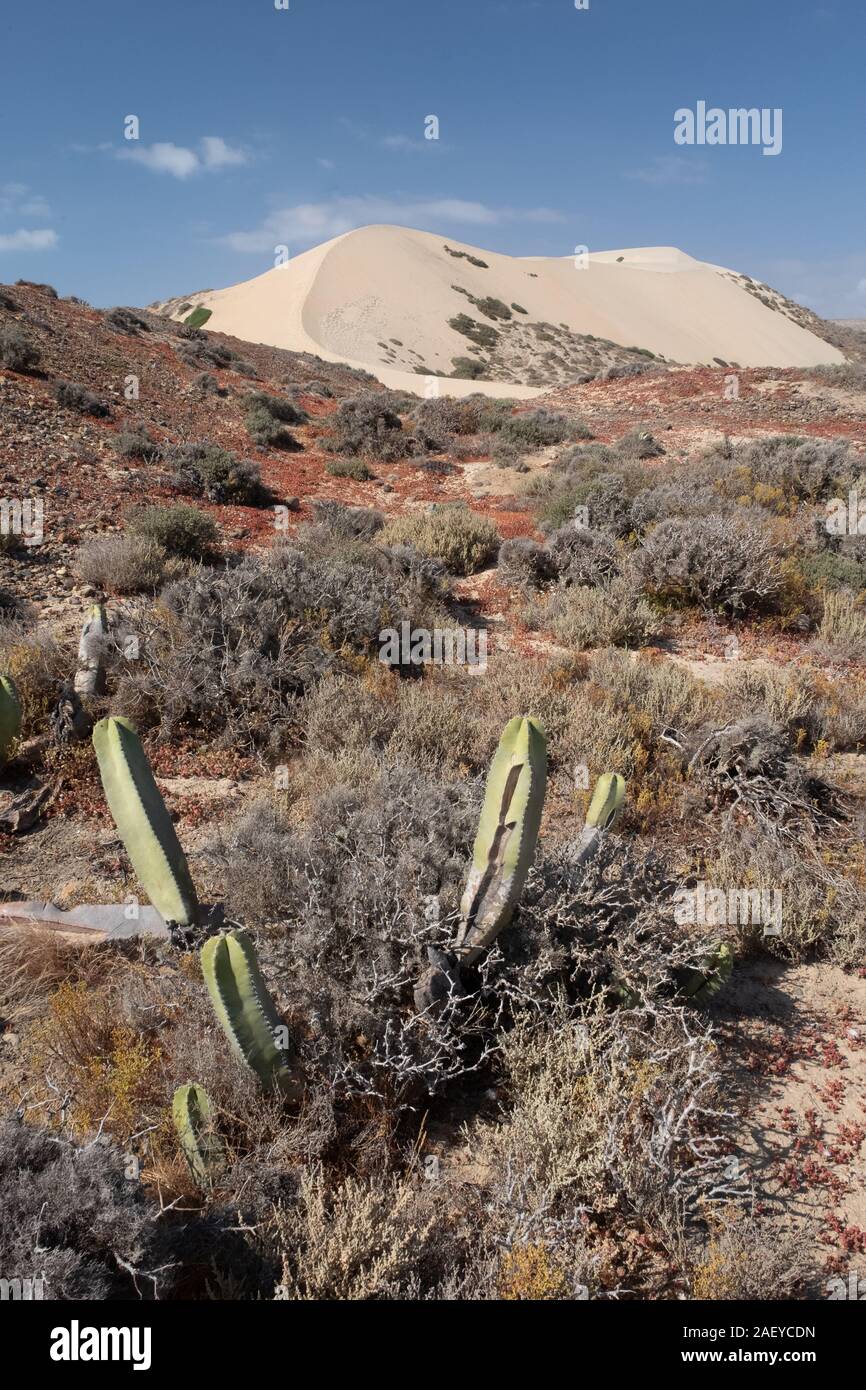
x,y
343,299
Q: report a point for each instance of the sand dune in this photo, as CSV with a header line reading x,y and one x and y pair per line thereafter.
x,y
382,297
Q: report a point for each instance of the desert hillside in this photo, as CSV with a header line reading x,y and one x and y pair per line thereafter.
x,y
606,1100
401,303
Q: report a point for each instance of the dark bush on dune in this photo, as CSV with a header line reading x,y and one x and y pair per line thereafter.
x,y
74,397
134,442
17,351
124,320
366,426
206,470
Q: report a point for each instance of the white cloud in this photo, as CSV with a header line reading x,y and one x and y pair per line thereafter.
x,y
326,163
309,223
42,240
669,169
861,286
180,162
162,158
217,154
17,200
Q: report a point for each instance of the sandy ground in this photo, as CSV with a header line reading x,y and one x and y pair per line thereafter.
x,y
381,298
798,1036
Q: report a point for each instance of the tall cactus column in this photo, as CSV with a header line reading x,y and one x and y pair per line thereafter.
x,y
507,835
142,819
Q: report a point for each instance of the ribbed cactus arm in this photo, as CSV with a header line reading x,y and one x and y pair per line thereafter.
x,y
244,1008
605,809
607,801
142,819
507,835
10,715
700,985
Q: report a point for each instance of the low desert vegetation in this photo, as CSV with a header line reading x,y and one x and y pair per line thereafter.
x,y
453,533
349,468
124,320
612,613
180,530
135,442
537,428
197,350
48,290
266,417
125,563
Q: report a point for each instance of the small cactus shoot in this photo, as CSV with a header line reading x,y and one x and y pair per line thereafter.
x,y
699,986
192,1113
606,805
604,811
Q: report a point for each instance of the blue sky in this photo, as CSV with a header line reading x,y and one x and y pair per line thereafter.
x,y
261,127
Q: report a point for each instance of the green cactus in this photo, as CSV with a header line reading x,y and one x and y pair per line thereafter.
x,y
507,833
192,1113
605,809
699,986
143,822
245,1009
10,715
606,805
